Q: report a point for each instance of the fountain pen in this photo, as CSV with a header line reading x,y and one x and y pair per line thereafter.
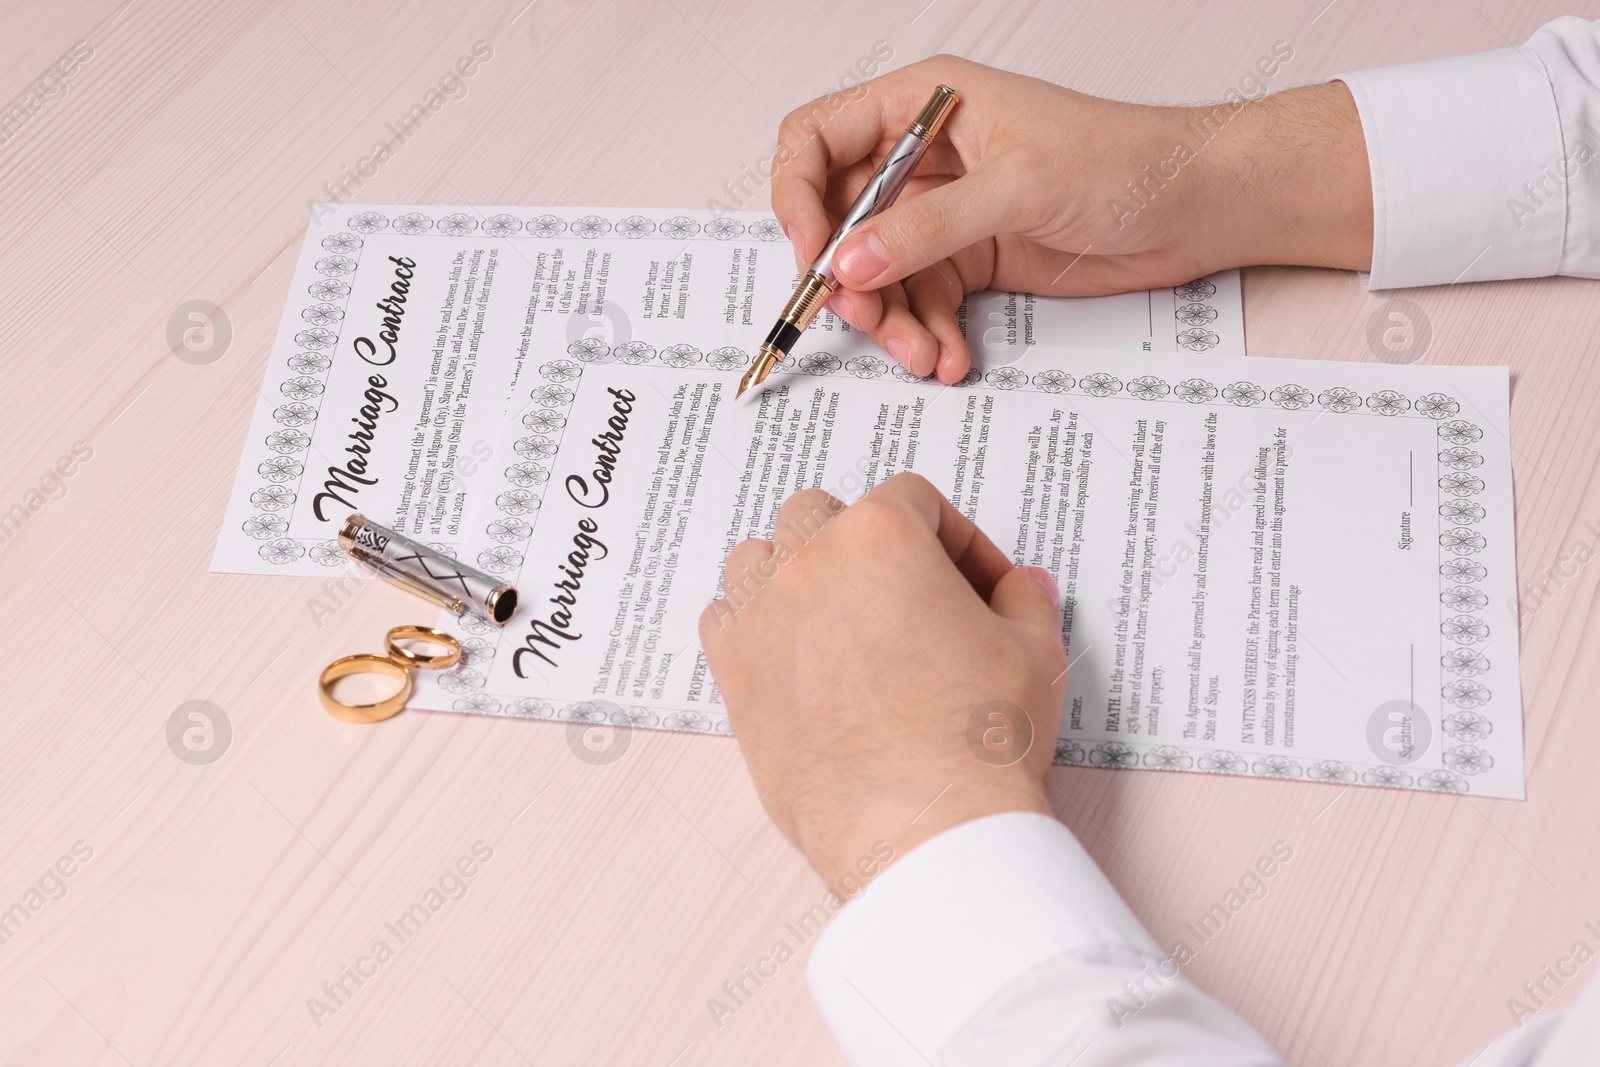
x,y
819,282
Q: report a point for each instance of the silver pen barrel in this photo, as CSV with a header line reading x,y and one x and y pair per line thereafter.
x,y
820,281
880,192
891,176
414,566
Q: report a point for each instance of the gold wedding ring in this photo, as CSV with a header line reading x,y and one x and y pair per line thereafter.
x,y
365,663
408,658
395,663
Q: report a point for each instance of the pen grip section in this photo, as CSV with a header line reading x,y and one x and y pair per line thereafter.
x,y
807,300
880,192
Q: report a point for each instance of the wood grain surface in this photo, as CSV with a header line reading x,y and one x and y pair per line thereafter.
x,y
176,164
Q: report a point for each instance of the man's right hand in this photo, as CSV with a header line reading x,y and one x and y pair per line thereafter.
x,y
1037,188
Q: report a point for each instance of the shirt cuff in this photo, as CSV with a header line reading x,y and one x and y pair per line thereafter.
x,y
955,922
1451,144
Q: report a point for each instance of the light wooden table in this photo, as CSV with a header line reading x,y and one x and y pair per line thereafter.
x,y
176,164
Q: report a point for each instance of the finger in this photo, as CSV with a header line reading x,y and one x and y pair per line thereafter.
x,y
802,517
920,230
714,621
1028,595
830,132
975,556
902,335
934,296
835,131
844,185
747,569
863,311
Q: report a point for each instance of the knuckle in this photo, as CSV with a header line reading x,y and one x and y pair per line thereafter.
x,y
905,233
804,515
743,555
875,519
911,481
813,497
801,125
809,510
717,615
794,121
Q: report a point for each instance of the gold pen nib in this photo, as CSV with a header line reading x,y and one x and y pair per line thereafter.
x,y
765,360
802,307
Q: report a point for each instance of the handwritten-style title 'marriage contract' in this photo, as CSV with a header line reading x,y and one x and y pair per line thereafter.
x,y
351,476
591,491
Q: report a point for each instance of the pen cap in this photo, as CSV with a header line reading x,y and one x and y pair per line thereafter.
x,y
427,572
934,112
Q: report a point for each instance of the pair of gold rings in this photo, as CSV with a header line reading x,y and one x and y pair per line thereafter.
x,y
396,662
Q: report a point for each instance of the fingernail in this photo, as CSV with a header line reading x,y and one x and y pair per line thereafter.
x,y
1047,582
947,366
792,232
862,258
900,349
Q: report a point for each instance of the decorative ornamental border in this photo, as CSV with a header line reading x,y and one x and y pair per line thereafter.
x,y
1126,755
1463,629
1195,315
283,472
588,227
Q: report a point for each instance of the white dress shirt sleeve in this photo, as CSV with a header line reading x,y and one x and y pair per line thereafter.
x,y
999,943
1486,166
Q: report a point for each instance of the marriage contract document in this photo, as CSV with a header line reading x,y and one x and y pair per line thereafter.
x,y
1279,568
406,328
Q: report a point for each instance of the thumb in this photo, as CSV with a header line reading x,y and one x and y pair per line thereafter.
x,y
920,230
1028,595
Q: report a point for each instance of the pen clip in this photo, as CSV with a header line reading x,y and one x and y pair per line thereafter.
x,y
452,604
